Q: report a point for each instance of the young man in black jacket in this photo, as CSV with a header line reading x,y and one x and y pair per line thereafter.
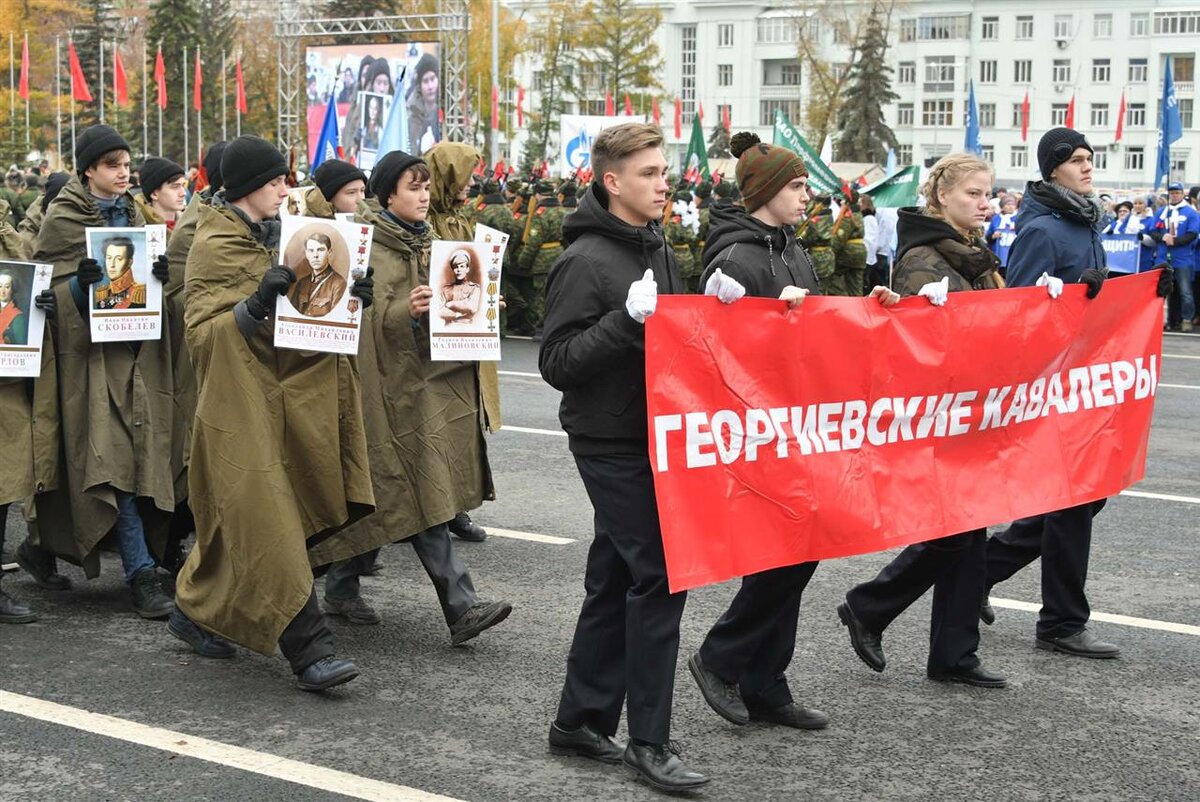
x,y
598,295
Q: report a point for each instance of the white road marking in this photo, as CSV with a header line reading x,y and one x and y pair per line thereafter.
x,y
1125,620
533,536
1180,386
180,743
526,430
1182,356
539,376
1161,496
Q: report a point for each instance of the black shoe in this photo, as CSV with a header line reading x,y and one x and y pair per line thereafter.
x,y
585,742
326,673
660,766
867,645
1082,644
987,613
13,612
203,643
374,568
41,565
791,715
355,610
464,528
978,676
480,617
722,696
149,600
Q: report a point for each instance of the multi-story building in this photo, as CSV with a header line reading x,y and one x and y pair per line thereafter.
x,y
747,56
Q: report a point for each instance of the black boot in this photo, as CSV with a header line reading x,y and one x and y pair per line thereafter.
x,y
660,766
465,529
13,612
41,565
149,600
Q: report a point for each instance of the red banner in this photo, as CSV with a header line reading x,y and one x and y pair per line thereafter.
x,y
79,87
843,428
160,79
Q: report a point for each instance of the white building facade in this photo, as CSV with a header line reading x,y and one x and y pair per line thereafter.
x,y
746,55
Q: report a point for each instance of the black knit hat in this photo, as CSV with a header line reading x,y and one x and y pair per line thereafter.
x,y
94,142
155,172
249,162
212,164
378,67
1056,147
387,172
333,174
427,63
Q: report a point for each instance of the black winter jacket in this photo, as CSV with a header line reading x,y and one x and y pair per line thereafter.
x,y
763,259
592,350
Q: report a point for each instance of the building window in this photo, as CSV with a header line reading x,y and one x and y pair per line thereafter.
x,y
1176,22
839,35
1135,115
1101,70
988,153
688,69
725,35
939,73
903,155
1061,72
906,72
1100,158
1058,113
1185,111
725,111
908,30
987,115
1024,27
539,81
935,28
1135,158
1139,24
987,72
904,114
1183,68
1102,26
775,30
1138,70
724,75
789,73
1022,71
1178,162
1063,23
937,112
1099,115
1018,111
934,152
794,109
839,70
1018,157
990,28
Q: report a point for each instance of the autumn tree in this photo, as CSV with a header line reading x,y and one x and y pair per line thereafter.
x,y
174,25
513,32
616,41
552,35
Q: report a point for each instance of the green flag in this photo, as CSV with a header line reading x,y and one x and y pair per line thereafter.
x,y
695,166
820,178
899,189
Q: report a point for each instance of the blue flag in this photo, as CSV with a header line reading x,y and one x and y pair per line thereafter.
x,y
327,143
891,162
1171,128
395,129
971,145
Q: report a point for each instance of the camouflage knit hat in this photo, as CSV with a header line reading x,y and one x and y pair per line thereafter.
x,y
762,169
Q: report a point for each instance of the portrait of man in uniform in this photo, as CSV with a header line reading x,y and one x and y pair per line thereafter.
x,y
14,323
320,286
461,296
121,291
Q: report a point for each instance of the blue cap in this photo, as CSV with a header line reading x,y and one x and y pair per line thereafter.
x,y
1174,185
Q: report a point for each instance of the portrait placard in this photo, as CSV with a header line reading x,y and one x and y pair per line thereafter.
x,y
126,304
317,313
372,108
21,322
464,313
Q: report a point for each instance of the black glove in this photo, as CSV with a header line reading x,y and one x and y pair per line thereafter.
x,y
1093,279
46,301
274,283
1166,279
364,289
160,269
88,272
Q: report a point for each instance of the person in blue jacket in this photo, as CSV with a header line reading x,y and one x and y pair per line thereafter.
x,y
1176,231
1143,210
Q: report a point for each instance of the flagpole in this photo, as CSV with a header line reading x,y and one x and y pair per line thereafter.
x,y
12,89
58,96
26,50
101,80
156,100
508,120
71,43
199,111
224,99
237,107
187,148
145,122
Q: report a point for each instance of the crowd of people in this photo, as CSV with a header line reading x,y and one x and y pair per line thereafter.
x,y
278,467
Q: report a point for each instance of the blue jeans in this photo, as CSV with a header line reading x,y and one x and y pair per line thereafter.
x,y
131,537
1183,282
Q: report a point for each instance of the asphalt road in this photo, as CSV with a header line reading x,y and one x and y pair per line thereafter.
x,y
470,723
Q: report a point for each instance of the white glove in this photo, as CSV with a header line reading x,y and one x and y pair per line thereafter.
x,y
726,289
1148,241
936,291
1054,286
642,299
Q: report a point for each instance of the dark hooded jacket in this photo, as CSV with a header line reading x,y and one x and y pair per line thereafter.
x,y
764,259
592,350
1057,233
928,249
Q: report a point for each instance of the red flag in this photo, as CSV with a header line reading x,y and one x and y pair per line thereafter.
x,y
1025,118
241,89
495,108
1070,121
654,112
23,87
197,82
701,111
79,87
120,90
725,117
628,106
499,171
678,118
160,79
1121,118
201,175
520,106
610,105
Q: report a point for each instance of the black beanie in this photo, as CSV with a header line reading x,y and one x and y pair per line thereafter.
x,y
54,184
94,142
387,172
1056,147
155,172
427,63
249,162
333,174
378,67
212,164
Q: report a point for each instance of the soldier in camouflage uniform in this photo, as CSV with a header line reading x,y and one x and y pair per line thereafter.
x,y
682,241
492,211
849,250
515,277
568,194
815,234
542,245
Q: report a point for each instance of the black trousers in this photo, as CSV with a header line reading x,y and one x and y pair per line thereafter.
x,y
955,567
878,274
627,638
1063,540
753,642
307,638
